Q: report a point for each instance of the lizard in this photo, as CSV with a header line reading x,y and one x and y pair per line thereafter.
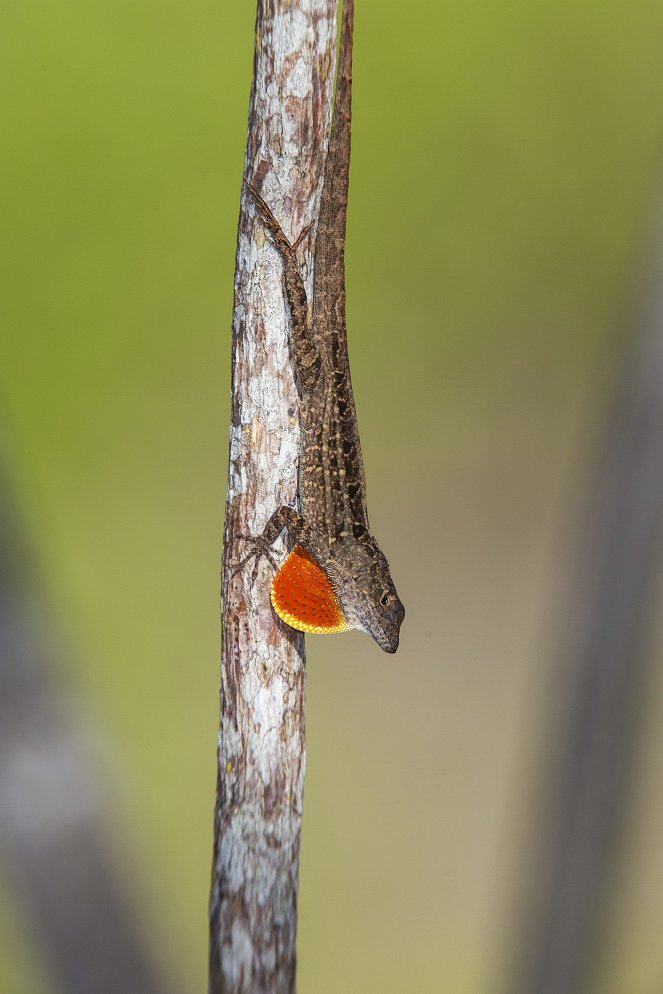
x,y
336,577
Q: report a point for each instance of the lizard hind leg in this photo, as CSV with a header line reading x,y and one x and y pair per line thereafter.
x,y
307,359
276,233
274,229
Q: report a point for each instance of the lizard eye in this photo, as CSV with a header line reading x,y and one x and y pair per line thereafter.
x,y
386,599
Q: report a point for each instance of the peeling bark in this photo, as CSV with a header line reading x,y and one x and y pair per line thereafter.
x,y
262,754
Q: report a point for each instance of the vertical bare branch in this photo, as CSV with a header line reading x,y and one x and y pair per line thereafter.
x,y
262,743
604,655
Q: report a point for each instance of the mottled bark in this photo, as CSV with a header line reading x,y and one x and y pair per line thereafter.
x,y
56,815
603,658
253,905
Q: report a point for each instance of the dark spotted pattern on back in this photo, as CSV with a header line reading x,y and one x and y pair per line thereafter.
x,y
333,525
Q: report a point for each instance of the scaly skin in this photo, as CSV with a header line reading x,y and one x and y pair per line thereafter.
x,y
333,523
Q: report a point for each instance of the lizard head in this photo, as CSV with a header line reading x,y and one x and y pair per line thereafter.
x,y
366,591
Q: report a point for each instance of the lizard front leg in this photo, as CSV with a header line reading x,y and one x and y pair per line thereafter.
x,y
302,593
261,545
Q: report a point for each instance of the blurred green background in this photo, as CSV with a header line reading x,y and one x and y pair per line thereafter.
x,y
505,156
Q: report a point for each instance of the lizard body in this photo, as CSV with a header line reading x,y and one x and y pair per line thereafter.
x,y
337,576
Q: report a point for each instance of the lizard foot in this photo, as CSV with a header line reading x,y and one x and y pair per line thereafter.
x,y
259,549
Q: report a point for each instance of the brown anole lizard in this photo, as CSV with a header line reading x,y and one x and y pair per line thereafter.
x,y
336,576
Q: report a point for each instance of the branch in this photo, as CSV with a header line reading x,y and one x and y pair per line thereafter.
x,y
262,735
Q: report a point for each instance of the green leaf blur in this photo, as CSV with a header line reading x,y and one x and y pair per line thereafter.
x,y
505,155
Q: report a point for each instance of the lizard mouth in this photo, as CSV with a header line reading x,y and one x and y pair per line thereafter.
x,y
387,640
303,597
388,637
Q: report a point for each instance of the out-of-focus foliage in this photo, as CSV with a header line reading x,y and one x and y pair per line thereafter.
x,y
504,157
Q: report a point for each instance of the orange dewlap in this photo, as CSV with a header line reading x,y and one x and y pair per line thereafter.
x,y
303,597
